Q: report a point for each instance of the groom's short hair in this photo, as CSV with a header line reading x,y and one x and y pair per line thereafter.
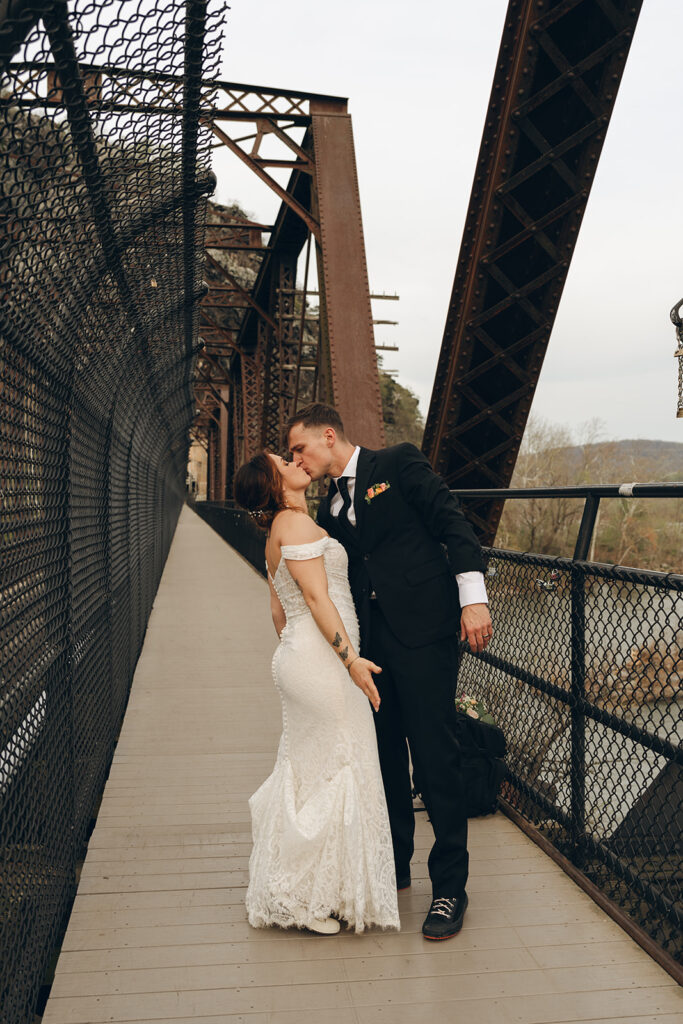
x,y
317,415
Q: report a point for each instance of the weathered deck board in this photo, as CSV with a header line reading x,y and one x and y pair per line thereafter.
x,y
158,930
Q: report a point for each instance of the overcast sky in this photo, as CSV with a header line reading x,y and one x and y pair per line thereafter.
x,y
418,79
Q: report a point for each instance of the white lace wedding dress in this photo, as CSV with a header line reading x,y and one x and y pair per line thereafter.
x,y
322,843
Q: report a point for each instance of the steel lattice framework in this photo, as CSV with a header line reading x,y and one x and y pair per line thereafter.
x,y
559,68
265,351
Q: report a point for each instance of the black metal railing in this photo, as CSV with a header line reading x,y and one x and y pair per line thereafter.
x,y
101,254
234,525
585,676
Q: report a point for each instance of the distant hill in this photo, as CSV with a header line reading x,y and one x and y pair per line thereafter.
x,y
652,449
629,461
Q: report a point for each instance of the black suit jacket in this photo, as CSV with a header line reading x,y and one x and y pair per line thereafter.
x,y
396,548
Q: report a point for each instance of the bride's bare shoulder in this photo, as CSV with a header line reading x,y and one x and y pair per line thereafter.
x,y
291,527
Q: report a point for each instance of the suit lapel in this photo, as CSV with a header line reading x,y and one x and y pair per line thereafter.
x,y
324,515
364,469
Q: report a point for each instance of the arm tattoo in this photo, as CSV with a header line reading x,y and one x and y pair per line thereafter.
x,y
344,654
337,640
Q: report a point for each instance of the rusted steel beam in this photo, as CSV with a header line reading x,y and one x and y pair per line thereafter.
x,y
205,383
270,127
346,338
238,225
211,464
217,374
223,444
275,349
236,286
250,396
232,247
221,236
208,412
302,333
225,303
556,80
265,389
289,232
220,101
258,170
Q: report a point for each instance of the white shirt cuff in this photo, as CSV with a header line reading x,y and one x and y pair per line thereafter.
x,y
471,588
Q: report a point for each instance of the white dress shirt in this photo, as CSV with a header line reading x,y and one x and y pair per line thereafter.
x,y
471,586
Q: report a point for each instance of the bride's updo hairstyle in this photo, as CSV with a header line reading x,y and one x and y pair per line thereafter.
x,y
258,488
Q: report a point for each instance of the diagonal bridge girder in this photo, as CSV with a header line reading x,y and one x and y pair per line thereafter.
x,y
558,71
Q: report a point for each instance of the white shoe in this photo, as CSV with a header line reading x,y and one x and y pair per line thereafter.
x,y
327,927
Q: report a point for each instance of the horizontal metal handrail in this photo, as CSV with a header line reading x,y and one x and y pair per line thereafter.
x,y
592,494
625,490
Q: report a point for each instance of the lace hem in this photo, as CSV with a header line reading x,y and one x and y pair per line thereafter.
x,y
330,856
300,917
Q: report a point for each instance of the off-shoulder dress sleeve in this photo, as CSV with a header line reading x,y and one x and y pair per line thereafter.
x,y
300,552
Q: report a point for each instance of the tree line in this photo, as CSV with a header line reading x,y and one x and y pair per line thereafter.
x,y
643,532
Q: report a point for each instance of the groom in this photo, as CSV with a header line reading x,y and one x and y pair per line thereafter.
x,y
392,513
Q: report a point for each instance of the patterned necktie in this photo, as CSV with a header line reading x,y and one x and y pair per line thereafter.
x,y
343,488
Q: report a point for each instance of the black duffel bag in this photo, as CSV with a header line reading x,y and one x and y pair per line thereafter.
x,y
482,750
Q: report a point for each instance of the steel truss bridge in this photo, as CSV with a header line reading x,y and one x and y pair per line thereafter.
x,y
266,350
135,316
555,85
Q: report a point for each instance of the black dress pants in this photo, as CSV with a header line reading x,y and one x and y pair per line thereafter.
x,y
417,690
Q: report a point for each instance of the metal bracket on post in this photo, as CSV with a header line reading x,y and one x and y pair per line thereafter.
x,y
585,535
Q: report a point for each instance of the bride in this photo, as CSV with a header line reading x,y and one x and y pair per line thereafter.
x,y
322,845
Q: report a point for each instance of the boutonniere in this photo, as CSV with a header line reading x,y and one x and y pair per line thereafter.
x,y
376,489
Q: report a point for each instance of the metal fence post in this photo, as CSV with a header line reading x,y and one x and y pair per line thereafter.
x,y
587,527
577,766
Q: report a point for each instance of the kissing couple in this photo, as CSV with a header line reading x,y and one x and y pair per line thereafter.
x,y
370,612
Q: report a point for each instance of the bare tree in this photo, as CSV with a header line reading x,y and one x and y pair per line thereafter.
x,y
549,457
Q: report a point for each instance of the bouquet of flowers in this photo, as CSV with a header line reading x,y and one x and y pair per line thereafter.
x,y
473,708
482,750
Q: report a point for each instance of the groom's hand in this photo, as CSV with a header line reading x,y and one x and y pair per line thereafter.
x,y
361,672
475,626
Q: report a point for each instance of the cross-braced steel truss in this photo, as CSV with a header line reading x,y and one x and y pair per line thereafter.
x,y
558,72
277,351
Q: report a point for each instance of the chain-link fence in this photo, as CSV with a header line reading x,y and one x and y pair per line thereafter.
x,y
585,676
104,176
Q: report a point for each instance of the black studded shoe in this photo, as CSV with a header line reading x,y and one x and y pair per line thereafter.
x,y
445,917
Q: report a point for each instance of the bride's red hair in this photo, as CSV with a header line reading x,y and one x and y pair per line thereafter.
x,y
258,488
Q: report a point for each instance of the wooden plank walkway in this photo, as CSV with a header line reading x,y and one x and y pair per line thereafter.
x,y
158,930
